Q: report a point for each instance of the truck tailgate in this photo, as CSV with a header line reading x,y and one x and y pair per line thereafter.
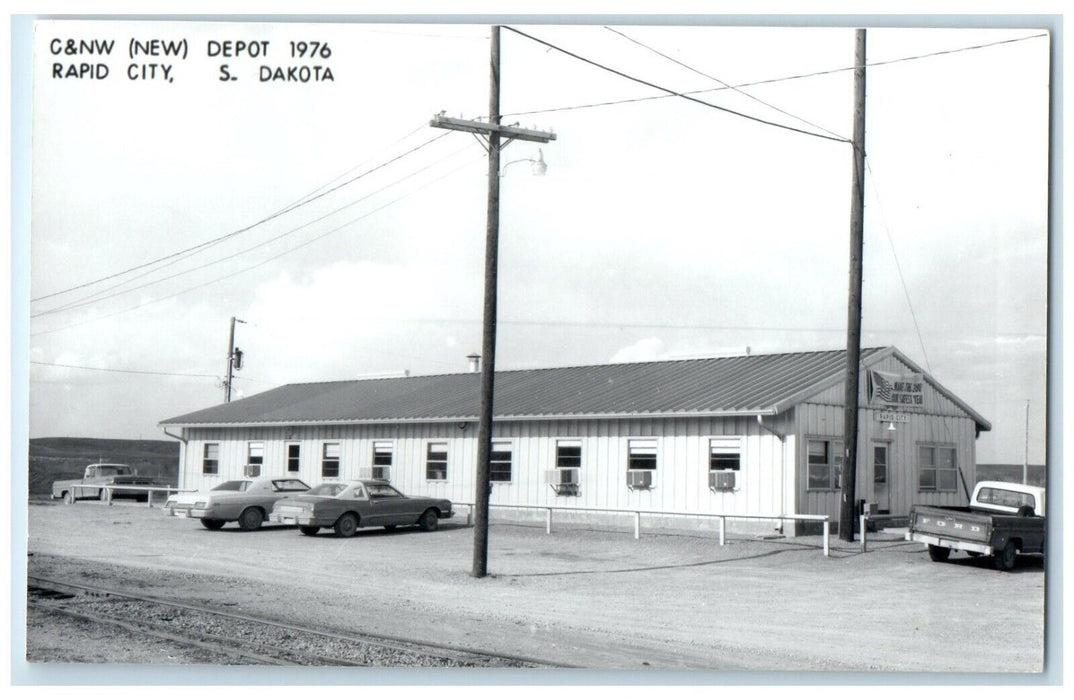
x,y
951,525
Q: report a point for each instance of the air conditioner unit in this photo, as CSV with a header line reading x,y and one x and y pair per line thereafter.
x,y
722,481
251,471
563,481
639,478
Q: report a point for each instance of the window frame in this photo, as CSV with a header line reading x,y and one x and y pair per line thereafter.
x,y
510,445
564,442
833,463
886,444
428,453
288,458
205,460
630,455
391,457
250,457
325,459
740,450
922,469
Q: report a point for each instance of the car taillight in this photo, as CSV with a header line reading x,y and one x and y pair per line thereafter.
x,y
199,505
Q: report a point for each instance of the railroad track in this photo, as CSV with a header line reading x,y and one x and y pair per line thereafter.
x,y
246,639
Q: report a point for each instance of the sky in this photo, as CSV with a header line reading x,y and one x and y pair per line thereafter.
x,y
662,229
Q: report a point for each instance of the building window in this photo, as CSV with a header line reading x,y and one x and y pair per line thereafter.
x,y
500,462
880,463
210,459
825,465
330,460
382,459
255,457
937,468
725,454
294,456
641,453
568,454
436,461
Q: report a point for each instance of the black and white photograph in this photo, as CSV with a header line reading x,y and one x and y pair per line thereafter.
x,y
517,349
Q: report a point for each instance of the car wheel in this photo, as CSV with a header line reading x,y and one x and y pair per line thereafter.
x,y
347,525
251,519
429,520
211,524
939,553
68,497
309,530
1004,560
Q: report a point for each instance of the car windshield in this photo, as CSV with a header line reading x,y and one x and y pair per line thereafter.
x,y
327,490
232,486
289,485
112,470
382,491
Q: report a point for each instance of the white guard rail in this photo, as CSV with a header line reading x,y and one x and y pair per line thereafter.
x,y
722,517
149,490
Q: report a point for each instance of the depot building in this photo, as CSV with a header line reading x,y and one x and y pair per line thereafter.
x,y
756,435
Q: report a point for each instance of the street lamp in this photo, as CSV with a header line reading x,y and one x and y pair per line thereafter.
x,y
537,165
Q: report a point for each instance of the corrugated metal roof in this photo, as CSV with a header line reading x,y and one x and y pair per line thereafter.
x,y
748,384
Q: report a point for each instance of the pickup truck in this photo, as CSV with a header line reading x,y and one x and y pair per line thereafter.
x,y
1003,520
97,477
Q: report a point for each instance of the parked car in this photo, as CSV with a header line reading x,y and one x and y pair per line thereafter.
x,y
346,506
247,501
98,479
1003,520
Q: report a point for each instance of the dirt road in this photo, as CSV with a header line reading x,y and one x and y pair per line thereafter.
x,y
586,597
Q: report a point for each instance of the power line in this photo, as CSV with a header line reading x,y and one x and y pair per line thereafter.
x,y
679,94
723,83
770,81
256,265
127,371
898,267
94,298
216,241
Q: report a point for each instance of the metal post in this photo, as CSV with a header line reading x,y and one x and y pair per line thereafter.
x,y
548,521
862,526
1025,457
637,526
723,525
827,532
108,497
857,230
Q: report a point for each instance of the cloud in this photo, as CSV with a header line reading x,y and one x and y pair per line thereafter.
x,y
644,350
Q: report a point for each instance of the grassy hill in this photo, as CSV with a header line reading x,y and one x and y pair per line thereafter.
x,y
66,458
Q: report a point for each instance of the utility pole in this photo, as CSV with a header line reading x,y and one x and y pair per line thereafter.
x,y
230,358
492,131
1025,457
857,238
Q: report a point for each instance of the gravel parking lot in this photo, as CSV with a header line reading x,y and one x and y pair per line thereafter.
x,y
581,596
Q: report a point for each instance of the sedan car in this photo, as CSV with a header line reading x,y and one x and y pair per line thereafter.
x,y
248,501
346,506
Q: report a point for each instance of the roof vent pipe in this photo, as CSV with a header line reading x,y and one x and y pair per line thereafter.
x,y
475,362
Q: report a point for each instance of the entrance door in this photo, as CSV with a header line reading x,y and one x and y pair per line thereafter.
x,y
881,455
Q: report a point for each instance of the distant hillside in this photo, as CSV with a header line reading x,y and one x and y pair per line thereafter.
x,y
1011,472
66,458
